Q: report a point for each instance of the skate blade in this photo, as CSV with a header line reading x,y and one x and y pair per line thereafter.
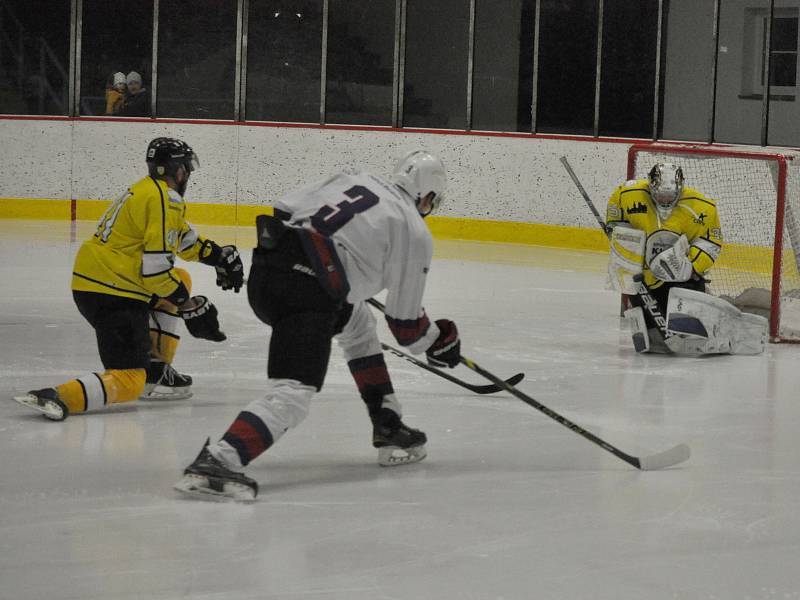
x,y
51,410
394,456
197,486
165,393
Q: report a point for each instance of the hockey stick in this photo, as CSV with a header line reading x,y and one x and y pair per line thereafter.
x,y
606,229
662,460
649,303
477,389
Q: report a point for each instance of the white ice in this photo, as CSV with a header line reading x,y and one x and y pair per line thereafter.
x,y
508,505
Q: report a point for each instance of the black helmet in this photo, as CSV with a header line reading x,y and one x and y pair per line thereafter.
x,y
166,155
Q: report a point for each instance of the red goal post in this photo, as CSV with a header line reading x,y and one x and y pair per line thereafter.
x,y
758,197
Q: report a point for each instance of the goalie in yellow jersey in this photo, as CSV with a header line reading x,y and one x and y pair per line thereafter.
x,y
126,286
664,239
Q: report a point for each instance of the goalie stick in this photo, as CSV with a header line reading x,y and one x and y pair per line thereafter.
x,y
477,389
662,460
649,303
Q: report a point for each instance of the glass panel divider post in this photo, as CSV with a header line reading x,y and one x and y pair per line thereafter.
x,y
154,61
323,76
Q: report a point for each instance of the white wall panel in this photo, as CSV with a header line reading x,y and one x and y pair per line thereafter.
x,y
108,156
35,159
491,177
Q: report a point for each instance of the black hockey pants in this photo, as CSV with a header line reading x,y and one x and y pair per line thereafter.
x,y
285,294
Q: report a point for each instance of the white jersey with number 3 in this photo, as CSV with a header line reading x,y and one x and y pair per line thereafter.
x,y
381,240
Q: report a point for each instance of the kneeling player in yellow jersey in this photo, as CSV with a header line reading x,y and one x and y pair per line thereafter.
x,y
126,286
664,239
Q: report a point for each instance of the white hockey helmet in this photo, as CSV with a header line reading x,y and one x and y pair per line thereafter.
x,y
420,173
665,181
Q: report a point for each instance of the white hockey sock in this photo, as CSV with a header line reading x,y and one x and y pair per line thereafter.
x,y
226,454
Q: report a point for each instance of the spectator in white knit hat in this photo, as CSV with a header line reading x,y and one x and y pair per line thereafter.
x,y
137,103
115,93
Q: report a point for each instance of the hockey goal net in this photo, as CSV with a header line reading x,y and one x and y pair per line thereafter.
x,y
758,200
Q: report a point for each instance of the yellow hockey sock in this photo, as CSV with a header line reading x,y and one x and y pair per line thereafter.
x,y
96,390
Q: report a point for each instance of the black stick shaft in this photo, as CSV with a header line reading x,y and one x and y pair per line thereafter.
x,y
478,389
586,197
631,460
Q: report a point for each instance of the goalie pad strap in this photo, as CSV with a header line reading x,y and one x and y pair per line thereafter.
x,y
635,318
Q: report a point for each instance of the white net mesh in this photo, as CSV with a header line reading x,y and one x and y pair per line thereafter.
x,y
746,191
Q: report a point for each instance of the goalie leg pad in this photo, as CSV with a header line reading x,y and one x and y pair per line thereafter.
x,y
751,335
703,324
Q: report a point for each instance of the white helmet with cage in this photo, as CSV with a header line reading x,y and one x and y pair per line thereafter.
x,y
665,181
420,173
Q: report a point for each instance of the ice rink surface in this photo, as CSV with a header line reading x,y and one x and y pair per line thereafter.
x,y
508,505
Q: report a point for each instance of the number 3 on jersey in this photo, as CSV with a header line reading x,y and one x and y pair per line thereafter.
x,y
329,219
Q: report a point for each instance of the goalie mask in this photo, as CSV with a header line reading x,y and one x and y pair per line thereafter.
x,y
165,156
420,174
665,181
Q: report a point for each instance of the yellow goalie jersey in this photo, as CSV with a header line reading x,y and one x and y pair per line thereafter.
x,y
693,215
132,253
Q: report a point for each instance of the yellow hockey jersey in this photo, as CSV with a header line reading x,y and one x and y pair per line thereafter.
x,y
132,252
693,215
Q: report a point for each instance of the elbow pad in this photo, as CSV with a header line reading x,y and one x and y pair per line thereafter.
x,y
179,296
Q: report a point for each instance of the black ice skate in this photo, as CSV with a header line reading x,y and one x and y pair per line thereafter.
x,y
397,443
47,402
207,476
165,383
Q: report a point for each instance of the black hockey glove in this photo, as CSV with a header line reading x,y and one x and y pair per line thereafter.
x,y
230,271
201,319
446,350
227,263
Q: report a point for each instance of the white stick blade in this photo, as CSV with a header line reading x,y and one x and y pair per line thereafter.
x,y
669,458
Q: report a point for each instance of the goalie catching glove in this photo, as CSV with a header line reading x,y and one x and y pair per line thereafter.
x,y
201,319
672,264
227,262
446,350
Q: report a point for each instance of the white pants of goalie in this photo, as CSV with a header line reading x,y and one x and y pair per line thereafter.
x,y
698,323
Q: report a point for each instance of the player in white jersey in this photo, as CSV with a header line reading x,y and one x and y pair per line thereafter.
x,y
329,247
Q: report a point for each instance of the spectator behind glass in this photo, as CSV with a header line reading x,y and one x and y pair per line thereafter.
x,y
137,103
115,95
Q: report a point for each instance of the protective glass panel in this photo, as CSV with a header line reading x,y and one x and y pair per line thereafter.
x,y
783,69
114,52
437,51
567,66
196,59
284,60
740,65
502,80
784,114
784,34
688,60
360,65
34,54
628,68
